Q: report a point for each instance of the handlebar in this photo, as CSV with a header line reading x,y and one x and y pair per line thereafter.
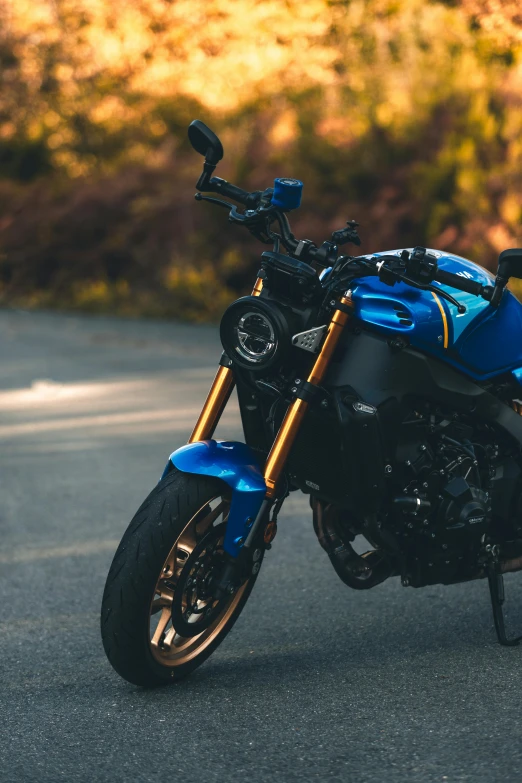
x,y
224,188
259,216
250,200
459,282
263,209
418,269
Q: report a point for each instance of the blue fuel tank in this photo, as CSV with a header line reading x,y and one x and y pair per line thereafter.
x,y
483,342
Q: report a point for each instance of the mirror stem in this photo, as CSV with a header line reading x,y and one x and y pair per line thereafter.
x,y
208,170
500,284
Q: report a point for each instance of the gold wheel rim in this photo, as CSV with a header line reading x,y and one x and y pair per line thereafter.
x,y
167,646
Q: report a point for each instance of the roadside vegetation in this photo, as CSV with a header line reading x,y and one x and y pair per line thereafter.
x,y
405,115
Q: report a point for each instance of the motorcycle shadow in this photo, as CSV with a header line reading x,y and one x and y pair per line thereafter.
x,y
390,629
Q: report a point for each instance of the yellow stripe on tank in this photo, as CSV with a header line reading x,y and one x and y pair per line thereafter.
x,y
444,319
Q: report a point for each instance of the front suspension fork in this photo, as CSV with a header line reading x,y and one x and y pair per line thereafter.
x,y
287,434
219,394
222,388
215,404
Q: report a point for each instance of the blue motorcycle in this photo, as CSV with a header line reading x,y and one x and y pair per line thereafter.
x,y
388,388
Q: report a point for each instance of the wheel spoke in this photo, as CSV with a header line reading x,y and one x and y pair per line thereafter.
x,y
162,624
203,525
183,552
169,637
183,549
185,544
163,600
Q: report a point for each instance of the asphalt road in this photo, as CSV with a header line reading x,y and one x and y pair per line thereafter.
x,y
315,683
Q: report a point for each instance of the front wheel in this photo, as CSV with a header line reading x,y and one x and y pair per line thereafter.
x,y
159,618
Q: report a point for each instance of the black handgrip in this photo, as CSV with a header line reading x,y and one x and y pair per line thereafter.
x,y
230,191
462,283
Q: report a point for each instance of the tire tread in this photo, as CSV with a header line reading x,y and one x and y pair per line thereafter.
x,y
135,569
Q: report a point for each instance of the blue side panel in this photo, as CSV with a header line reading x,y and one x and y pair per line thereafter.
x,y
483,342
492,344
235,464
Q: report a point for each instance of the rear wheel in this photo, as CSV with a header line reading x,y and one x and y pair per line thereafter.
x,y
160,619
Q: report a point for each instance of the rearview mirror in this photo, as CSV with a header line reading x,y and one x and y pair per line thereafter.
x,y
205,142
510,263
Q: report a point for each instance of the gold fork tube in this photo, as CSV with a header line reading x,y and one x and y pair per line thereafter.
x,y
290,427
214,406
218,396
258,287
282,445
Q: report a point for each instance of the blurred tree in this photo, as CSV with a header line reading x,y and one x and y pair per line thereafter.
x,y
406,115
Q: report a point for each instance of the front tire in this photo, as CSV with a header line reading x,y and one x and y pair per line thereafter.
x,y
160,572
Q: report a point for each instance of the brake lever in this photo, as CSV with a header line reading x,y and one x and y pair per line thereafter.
x,y
220,202
448,297
434,290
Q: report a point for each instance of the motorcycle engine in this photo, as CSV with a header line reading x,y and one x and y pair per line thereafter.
x,y
442,514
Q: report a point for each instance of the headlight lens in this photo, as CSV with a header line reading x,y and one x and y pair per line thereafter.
x,y
256,339
255,333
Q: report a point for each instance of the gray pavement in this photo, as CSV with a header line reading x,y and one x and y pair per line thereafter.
x,y
316,682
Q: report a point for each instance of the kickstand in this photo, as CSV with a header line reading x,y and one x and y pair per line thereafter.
x,y
496,590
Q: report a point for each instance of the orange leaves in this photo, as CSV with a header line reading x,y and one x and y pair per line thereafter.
x,y
407,113
376,60
499,18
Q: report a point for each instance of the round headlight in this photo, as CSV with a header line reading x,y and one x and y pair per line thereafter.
x,y
256,339
255,333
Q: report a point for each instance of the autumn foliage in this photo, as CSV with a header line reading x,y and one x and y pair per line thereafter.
x,y
405,114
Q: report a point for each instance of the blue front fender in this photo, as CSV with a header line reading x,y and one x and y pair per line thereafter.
x,y
235,464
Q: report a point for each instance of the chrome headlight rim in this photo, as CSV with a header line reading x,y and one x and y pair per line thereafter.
x,y
255,334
